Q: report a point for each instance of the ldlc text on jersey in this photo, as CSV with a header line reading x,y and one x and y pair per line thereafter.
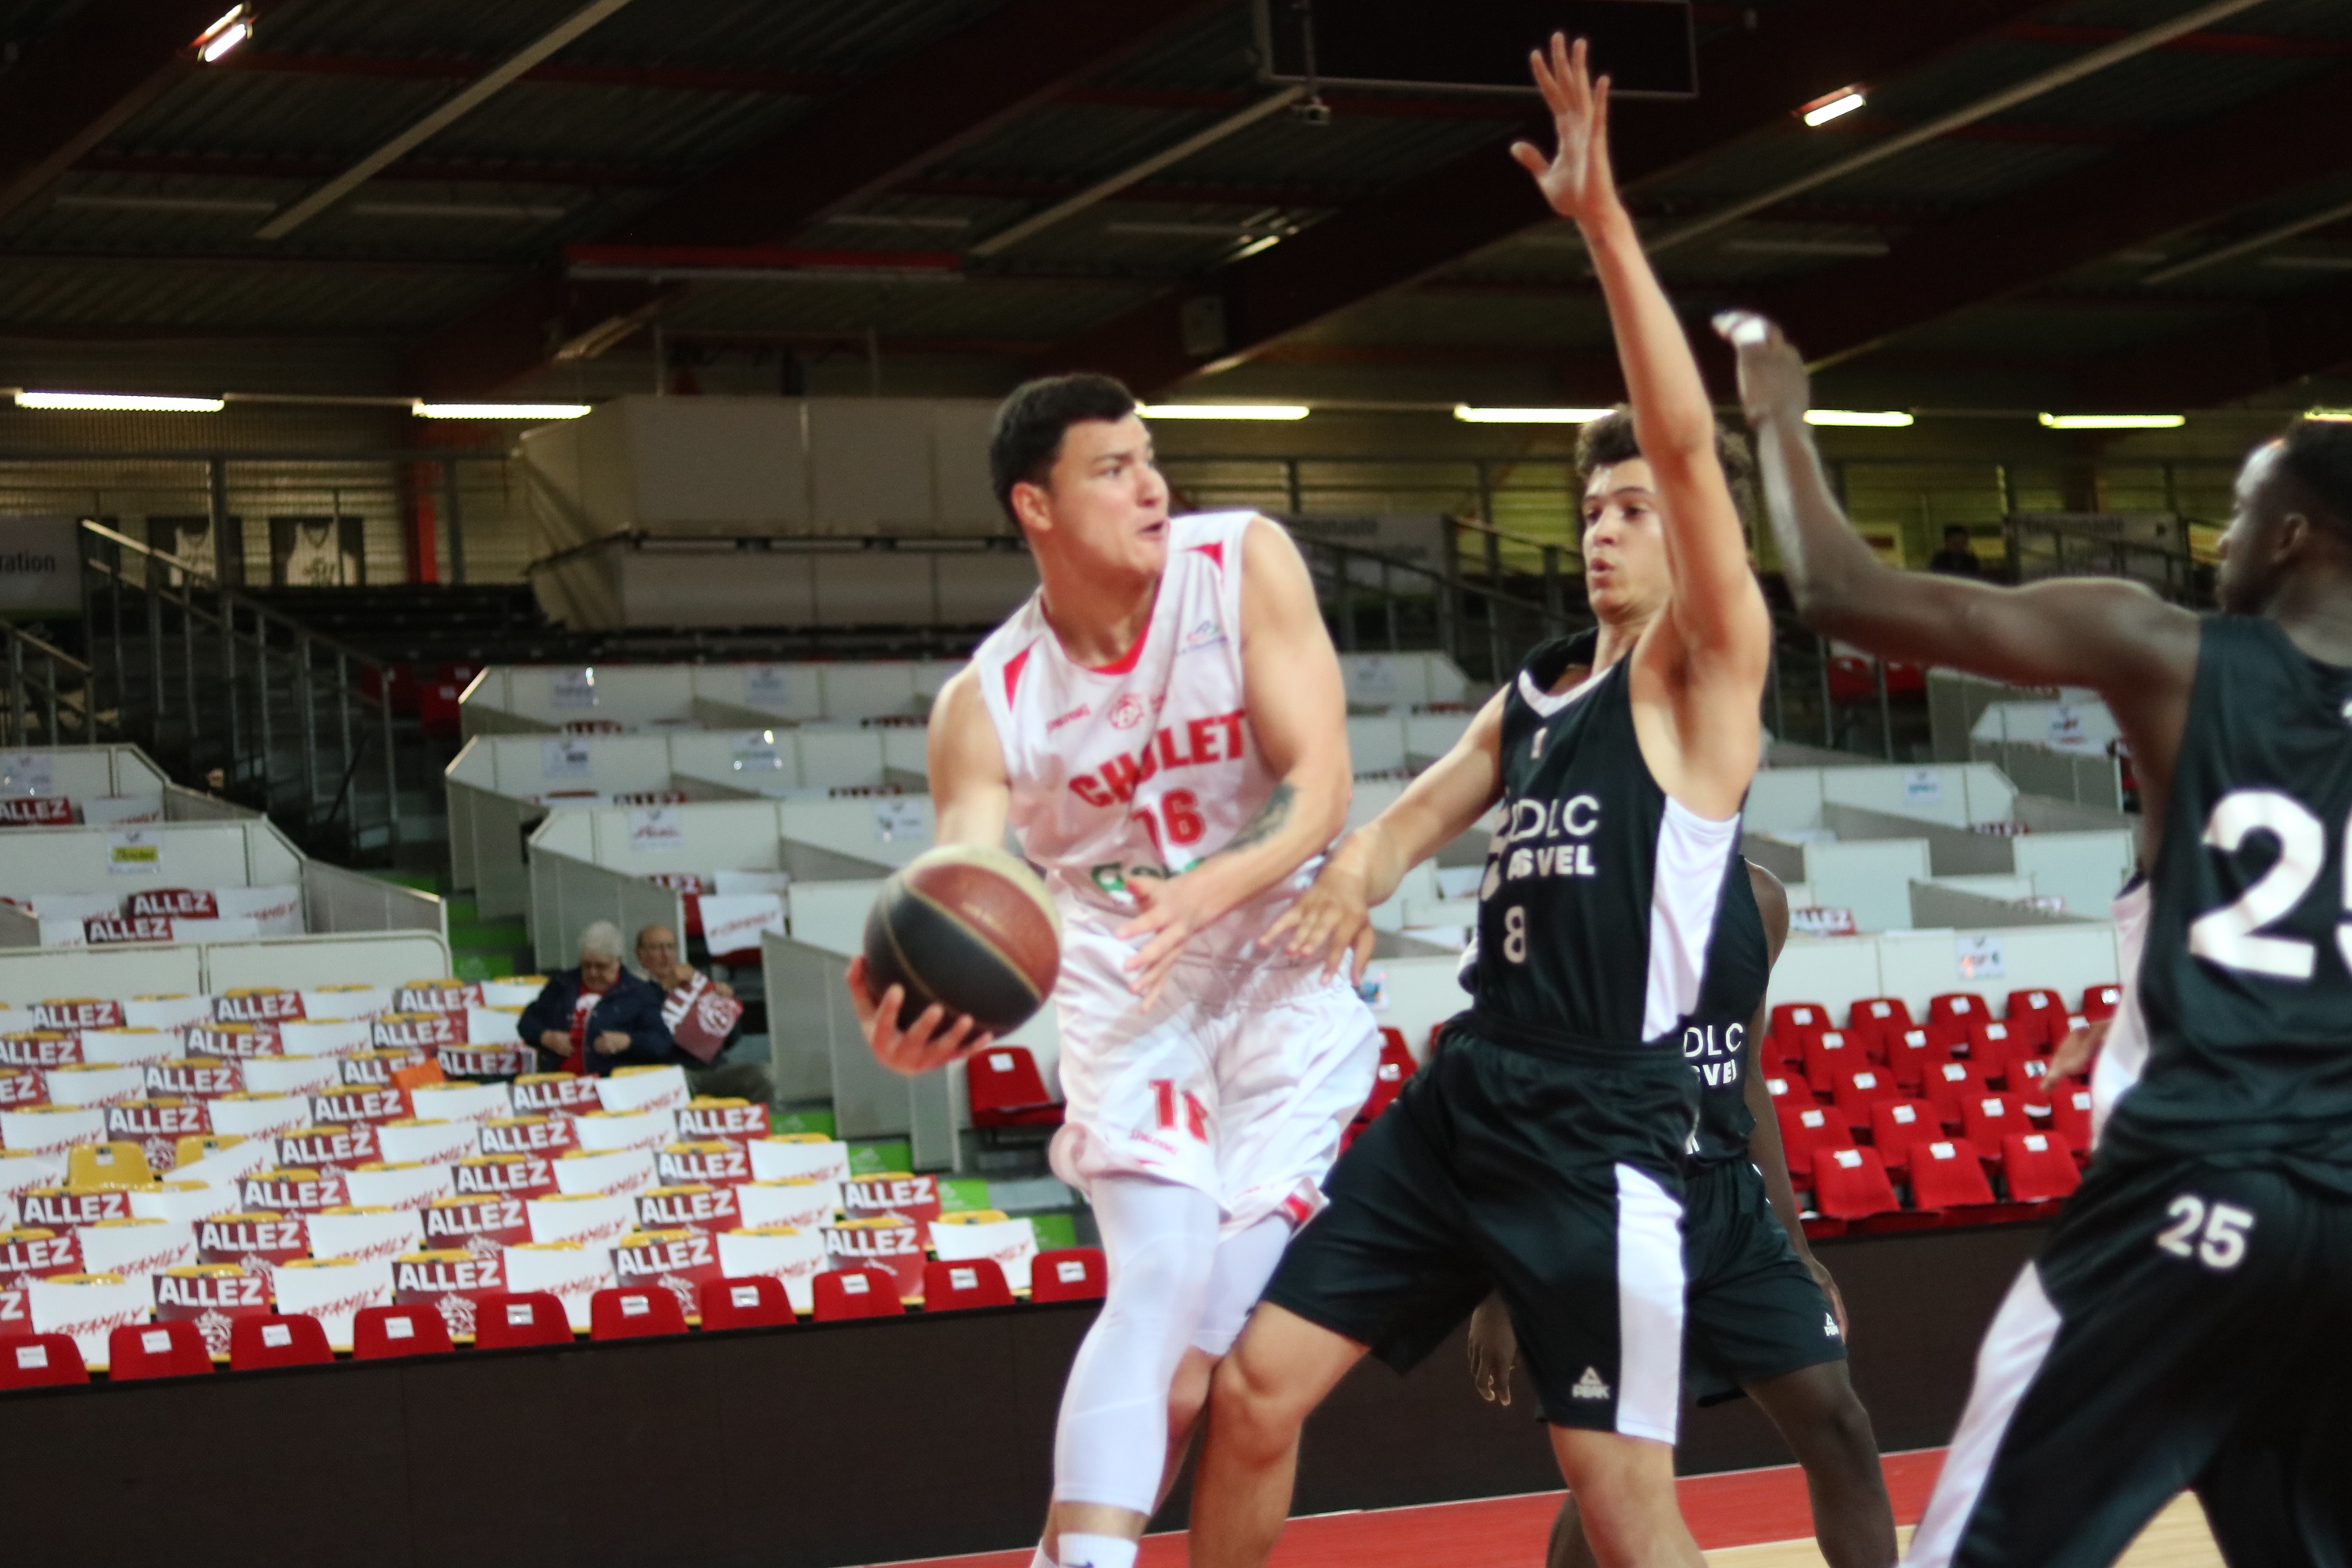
x,y
1576,819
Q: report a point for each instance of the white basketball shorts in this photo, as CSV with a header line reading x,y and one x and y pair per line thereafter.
x,y
1238,1081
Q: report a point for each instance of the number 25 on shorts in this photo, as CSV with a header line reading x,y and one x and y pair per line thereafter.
x,y
2221,1248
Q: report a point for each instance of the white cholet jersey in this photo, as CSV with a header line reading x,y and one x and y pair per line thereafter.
x,y
1145,767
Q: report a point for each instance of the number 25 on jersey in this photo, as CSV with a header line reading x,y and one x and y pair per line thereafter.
x,y
2232,935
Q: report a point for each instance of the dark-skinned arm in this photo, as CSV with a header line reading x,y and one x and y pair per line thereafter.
x,y
2116,638
1764,1145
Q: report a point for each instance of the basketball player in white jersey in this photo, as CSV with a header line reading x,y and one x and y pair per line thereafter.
x,y
1164,729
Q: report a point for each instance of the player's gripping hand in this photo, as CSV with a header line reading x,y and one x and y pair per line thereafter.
x,y
1172,911
1331,918
1576,179
931,1044
1494,1350
1837,1298
1773,384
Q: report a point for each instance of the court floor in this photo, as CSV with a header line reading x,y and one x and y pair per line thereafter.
x,y
1751,1519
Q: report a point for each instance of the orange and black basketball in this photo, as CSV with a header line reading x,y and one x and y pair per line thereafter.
x,y
969,928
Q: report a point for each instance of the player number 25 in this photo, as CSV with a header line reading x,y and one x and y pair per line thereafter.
x,y
2223,1247
2232,935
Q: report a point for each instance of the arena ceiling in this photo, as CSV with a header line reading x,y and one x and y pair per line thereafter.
x,y
2039,206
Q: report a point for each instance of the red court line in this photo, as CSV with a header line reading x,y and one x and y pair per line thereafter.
x,y
1743,1508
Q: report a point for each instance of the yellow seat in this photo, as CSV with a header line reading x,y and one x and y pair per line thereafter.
x,y
118,1165
194,1146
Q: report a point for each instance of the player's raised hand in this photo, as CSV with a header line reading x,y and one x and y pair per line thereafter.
x,y
2079,1049
1576,179
1773,380
932,1042
1172,911
1328,921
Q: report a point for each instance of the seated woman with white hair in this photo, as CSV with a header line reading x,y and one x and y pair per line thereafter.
x,y
598,1016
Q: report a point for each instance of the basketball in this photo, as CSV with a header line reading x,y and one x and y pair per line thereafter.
x,y
969,928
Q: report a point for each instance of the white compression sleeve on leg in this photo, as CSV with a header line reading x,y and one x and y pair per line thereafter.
x,y
1246,1261
1112,1439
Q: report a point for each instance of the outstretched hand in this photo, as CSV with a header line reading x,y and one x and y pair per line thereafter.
x,y
1331,921
931,1042
1576,179
1171,911
1773,380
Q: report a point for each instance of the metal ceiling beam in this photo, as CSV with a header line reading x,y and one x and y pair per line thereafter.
x,y
1754,81
945,97
2247,155
476,93
85,78
2253,351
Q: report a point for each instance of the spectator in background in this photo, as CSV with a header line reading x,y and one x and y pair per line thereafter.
x,y
705,1020
598,1016
1956,559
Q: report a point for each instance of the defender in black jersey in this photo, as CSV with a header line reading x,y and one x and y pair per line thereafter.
x,y
1541,1149
1762,1317
2186,1324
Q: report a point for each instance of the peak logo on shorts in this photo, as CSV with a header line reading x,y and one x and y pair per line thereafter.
x,y
1589,1387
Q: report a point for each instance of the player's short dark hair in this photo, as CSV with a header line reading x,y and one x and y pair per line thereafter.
x,y
1031,423
2318,453
1609,439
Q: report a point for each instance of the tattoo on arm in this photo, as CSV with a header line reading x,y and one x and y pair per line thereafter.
x,y
1269,821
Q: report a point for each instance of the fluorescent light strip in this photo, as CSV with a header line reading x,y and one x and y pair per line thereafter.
x,y
224,35
1470,415
122,403
498,410
1833,109
1890,419
2115,421
1224,411
2328,415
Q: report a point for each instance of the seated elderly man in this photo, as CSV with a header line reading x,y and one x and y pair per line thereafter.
x,y
598,1016
705,1020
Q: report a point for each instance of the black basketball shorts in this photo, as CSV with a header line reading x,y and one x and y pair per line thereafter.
x,y
2184,1326
1755,1311
1483,1176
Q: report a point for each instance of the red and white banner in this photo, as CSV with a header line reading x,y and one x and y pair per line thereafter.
x,y
700,1019
808,1154
89,1308
694,1206
69,1208
186,1203
621,1171
737,1121
548,1093
472,1103
274,912
40,1049
340,1146
596,1220
36,811
157,1126
794,1256
678,1261
234,1041
1011,1244
494,1026
258,1004
475,1059
796,1202
195,1077
567,1270
170,1012
399,1186
258,1243
476,1224
78,1013
323,1037
642,1088
546,1135
130,1046
516,991
190,903
714,1161
446,996
294,1191
290,1075
83,1084
732,925
107,930
602,1132
359,1103
427,1032
507,1175
377,1066
378,1234
892,1244
135,1248
41,1129
417,1142
22,1087
211,1296
345,1001
246,1115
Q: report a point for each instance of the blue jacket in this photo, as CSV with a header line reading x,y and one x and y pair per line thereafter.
x,y
632,1005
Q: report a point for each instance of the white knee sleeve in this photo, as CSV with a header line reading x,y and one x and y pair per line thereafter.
x,y
1112,1440
1246,1261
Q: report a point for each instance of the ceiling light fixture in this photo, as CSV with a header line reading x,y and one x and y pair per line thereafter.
x,y
224,35
1841,103
1888,419
2328,415
498,410
1224,411
121,401
1469,415
2114,421
1255,245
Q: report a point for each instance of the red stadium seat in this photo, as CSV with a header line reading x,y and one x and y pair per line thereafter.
x,y
503,1318
1858,1091
1880,1012
634,1313
1950,1084
2036,1001
961,1285
1804,1129
2070,1118
1851,1183
1791,1019
278,1340
1994,1047
2101,1001
1779,1088
2029,1079
383,1334
43,1361
1007,1090
1912,1053
1896,1125
2066,1026
1068,1274
175,1349
857,1293
2037,1167
1828,1056
1988,1120
1957,1007
753,1301
1946,1174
